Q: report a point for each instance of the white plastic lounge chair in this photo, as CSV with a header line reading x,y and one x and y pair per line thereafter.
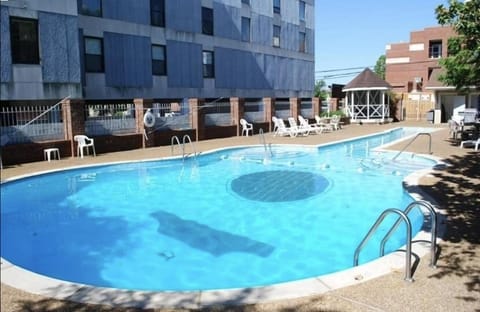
x,y
84,142
275,125
282,129
476,143
296,129
305,125
246,127
322,122
335,122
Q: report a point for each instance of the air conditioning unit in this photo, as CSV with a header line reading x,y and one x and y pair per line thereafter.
x,y
418,79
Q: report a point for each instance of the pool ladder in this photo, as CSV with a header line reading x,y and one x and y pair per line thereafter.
x,y
403,216
268,150
186,139
411,141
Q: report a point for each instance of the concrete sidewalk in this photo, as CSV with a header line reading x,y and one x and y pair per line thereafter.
x,y
453,286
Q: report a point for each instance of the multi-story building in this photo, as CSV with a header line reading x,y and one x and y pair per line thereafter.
x,y
412,68
154,49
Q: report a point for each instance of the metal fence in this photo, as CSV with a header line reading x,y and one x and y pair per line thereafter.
x,y
217,113
306,108
105,119
31,123
172,115
282,109
254,110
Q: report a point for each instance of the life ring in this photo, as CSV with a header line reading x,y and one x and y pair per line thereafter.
x,y
149,119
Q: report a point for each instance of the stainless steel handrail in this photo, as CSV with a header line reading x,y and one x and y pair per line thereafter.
x,y
411,141
264,143
172,144
186,139
433,240
408,259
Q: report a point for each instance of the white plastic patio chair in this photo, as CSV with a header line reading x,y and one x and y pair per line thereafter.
x,y
305,125
84,142
246,127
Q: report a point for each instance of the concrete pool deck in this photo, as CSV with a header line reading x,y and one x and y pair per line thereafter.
x,y
453,286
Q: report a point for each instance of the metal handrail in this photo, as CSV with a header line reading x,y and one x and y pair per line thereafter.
x,y
172,144
264,143
411,141
433,241
408,260
186,139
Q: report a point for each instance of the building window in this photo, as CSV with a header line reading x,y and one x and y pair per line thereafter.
x,y
207,21
208,64
157,13
93,54
276,36
245,29
91,7
276,6
303,42
301,11
435,49
247,2
24,41
159,60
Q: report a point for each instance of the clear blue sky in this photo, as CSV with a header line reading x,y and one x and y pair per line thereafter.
x,y
354,33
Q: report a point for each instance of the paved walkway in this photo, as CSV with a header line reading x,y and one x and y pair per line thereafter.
x,y
453,286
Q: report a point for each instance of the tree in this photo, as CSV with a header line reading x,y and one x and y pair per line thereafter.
x,y
462,65
319,90
379,68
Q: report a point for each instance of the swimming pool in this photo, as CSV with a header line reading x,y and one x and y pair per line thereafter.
x,y
231,218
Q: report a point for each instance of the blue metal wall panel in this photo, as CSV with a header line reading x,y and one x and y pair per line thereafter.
x,y
184,64
289,37
5,49
137,11
262,27
310,41
227,21
184,15
128,60
236,69
59,48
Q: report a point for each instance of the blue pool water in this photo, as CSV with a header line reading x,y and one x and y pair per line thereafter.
x,y
232,218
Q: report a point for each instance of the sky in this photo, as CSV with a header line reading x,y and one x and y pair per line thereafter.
x,y
354,33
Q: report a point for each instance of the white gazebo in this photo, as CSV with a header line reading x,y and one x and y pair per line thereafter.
x,y
367,99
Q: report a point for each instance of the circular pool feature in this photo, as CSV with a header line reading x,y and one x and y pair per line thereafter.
x,y
279,185
171,224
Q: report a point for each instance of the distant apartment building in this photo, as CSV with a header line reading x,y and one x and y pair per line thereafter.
x,y
412,68
156,49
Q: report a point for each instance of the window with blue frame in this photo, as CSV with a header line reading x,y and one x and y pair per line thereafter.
x,y
157,13
302,42
91,7
245,29
24,40
159,60
276,6
207,21
276,36
208,64
93,54
301,11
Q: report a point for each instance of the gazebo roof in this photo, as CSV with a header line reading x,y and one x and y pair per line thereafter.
x,y
367,80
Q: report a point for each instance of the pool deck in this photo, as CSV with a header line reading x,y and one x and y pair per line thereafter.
x,y
453,286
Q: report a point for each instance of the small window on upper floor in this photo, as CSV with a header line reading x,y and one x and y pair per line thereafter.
x,y
207,21
91,7
208,64
247,2
157,13
93,54
159,60
301,11
435,49
276,6
245,29
302,42
276,36
24,40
